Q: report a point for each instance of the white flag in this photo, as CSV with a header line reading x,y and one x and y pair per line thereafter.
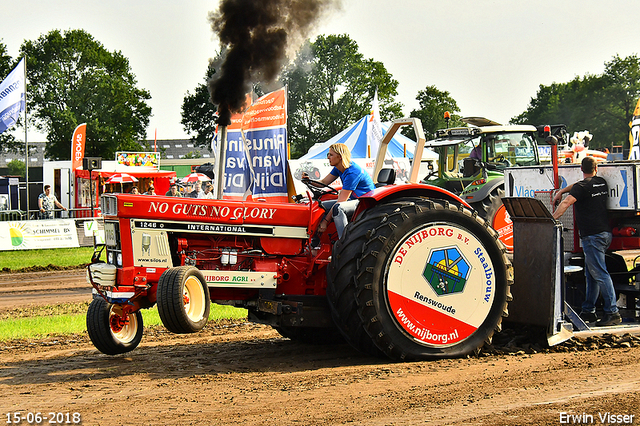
x,y
374,127
12,97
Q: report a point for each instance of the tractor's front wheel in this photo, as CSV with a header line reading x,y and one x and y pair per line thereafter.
x,y
111,330
183,300
419,279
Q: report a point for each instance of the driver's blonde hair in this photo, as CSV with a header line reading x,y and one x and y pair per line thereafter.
x,y
344,152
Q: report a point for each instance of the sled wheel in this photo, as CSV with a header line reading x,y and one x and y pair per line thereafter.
x,y
111,332
183,300
492,210
312,335
427,279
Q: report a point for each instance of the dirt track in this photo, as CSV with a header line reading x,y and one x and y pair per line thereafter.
x,y
240,373
39,288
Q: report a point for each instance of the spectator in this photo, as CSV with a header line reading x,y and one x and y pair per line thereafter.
x,y
173,191
589,196
208,190
197,192
47,202
135,191
150,191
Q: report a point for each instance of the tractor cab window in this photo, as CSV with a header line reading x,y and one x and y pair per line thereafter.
x,y
455,154
510,149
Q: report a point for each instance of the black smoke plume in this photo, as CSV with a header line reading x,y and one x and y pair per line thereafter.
x,y
255,38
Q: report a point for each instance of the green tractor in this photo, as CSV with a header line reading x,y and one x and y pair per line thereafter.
x,y
472,161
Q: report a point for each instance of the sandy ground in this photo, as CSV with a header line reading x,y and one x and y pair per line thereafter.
x,y
240,373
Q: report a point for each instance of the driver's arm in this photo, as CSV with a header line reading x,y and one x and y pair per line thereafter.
x,y
326,180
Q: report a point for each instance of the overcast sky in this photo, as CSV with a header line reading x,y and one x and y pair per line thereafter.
x,y
490,55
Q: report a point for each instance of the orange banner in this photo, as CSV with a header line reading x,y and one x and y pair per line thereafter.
x,y
77,146
268,111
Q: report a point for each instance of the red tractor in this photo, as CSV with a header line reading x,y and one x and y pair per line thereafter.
x,y
416,275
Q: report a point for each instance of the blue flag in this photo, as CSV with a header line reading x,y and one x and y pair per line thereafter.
x,y
12,97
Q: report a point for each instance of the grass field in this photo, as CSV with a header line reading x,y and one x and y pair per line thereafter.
x,y
17,260
66,318
70,318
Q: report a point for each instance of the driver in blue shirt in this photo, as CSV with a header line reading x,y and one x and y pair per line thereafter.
x,y
355,183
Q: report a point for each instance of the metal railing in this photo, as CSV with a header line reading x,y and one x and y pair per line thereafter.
x,y
17,215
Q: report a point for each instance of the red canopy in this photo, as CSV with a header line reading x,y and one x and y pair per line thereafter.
x,y
161,178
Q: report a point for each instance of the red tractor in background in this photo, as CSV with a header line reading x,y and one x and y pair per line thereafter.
x,y
416,275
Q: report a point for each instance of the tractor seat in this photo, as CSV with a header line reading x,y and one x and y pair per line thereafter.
x,y
386,177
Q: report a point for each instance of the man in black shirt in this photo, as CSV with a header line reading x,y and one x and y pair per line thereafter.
x,y
590,198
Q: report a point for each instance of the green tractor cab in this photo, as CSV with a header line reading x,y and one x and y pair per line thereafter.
x,y
472,161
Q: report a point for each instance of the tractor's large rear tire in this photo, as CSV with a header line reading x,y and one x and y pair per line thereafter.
x,y
418,280
492,210
111,332
488,207
183,300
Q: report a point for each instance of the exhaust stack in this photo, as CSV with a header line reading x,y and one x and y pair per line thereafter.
x,y
221,161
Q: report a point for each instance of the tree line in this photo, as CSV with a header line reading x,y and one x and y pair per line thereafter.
x,y
73,79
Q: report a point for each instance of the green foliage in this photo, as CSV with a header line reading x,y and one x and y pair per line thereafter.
x,y
16,167
73,79
602,104
193,154
331,85
5,62
433,104
199,114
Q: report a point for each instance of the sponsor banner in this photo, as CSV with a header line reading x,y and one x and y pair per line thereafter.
x,y
634,134
38,234
503,225
240,279
91,230
440,285
138,159
77,146
526,181
634,138
317,169
12,97
256,151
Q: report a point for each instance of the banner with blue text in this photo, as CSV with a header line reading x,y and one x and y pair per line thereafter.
x,y
12,97
256,151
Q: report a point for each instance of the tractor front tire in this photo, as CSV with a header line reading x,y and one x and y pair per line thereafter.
x,y
183,300
419,279
111,332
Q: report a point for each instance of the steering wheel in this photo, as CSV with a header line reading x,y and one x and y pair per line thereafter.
x,y
432,173
318,191
500,158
